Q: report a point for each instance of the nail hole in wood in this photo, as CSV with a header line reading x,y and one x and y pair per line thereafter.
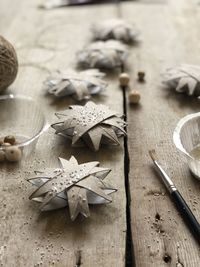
x,y
167,258
157,216
78,258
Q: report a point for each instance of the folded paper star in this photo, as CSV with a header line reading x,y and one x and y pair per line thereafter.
x,y
90,124
102,55
115,29
185,79
74,185
81,85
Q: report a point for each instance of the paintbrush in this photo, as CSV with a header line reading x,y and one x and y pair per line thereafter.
x,y
180,203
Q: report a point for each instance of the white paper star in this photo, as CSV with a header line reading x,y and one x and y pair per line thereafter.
x,y
185,79
102,55
115,29
90,124
75,185
81,85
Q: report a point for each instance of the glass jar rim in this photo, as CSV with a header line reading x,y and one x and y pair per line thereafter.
x,y
45,126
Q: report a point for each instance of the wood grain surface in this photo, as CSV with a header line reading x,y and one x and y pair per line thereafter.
x,y
169,36
48,40
45,41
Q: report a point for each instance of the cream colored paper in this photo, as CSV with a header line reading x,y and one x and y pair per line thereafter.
x,y
74,185
91,124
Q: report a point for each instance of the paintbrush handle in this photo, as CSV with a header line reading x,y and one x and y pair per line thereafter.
x,y
187,214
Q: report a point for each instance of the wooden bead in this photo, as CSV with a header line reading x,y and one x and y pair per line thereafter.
x,y
13,154
141,76
5,144
134,97
2,155
10,139
124,79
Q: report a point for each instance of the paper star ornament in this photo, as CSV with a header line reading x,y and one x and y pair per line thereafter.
x,y
185,79
81,85
90,125
115,29
73,185
102,55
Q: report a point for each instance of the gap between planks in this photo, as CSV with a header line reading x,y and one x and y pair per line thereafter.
x,y
130,259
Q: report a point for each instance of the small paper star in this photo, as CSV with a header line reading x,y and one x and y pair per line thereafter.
x,y
115,29
75,185
185,79
103,55
82,85
90,124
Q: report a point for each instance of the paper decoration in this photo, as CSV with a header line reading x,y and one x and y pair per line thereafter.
x,y
81,85
185,79
115,29
50,4
90,125
74,185
102,55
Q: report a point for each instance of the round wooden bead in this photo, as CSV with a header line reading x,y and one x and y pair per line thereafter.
x,y
141,76
5,144
2,155
10,139
13,153
124,79
134,97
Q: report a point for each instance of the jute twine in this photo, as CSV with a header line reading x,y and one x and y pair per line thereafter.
x,y
8,63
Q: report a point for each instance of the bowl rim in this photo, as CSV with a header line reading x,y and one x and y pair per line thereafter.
x,y
178,128
44,128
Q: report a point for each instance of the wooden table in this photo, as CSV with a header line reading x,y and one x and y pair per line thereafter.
x,y
140,227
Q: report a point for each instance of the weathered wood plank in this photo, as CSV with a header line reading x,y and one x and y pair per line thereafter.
x,y
169,36
48,40
8,10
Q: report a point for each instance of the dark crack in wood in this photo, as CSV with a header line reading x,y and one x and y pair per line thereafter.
x,y
78,258
178,263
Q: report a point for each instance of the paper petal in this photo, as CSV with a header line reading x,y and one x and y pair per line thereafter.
x,y
77,201
95,185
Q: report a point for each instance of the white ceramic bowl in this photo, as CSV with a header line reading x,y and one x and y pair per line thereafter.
x,y
186,137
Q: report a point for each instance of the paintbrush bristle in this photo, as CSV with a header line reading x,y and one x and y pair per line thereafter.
x,y
152,154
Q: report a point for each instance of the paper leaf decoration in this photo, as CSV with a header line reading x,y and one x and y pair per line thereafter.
x,y
102,55
81,85
90,125
185,79
115,29
74,185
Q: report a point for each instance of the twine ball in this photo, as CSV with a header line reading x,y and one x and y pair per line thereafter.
x,y
8,64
